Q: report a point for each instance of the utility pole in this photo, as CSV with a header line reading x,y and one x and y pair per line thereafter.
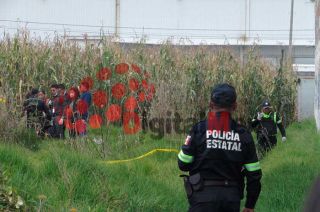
x,y
117,18
317,66
290,33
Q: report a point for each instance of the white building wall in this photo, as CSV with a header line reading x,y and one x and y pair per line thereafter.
x,y
187,21
196,21
50,15
273,16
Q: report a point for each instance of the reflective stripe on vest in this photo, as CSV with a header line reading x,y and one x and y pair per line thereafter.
x,y
252,166
184,157
266,116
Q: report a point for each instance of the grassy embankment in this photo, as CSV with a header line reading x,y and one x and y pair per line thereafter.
x,y
71,175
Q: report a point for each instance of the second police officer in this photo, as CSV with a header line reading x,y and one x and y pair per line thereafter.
x,y
266,123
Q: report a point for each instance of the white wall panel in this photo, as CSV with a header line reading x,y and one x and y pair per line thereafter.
x,y
195,21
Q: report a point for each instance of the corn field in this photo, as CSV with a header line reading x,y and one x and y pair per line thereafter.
x,y
183,77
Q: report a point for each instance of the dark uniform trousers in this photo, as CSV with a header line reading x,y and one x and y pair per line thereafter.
x,y
267,131
267,144
215,199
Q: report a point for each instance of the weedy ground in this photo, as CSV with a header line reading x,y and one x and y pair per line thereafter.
x,y
60,175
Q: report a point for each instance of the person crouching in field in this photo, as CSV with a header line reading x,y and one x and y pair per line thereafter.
x,y
38,114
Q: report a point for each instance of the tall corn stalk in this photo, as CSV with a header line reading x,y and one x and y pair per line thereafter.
x,y
183,76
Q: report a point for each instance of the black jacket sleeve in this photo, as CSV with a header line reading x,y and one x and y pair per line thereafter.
x,y
280,126
253,173
187,152
254,122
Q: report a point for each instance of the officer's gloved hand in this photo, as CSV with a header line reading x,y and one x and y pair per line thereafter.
x,y
259,117
284,139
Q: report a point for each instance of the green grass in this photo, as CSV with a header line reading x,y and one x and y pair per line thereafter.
x,y
289,169
72,175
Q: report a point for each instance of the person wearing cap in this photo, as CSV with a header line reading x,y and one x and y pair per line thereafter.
x,y
266,123
219,154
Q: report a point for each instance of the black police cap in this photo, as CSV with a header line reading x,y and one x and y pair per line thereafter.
x,y
265,104
223,95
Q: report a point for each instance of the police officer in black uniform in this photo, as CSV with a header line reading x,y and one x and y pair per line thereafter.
x,y
266,123
218,154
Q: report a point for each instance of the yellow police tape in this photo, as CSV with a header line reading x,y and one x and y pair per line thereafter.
x,y
141,156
